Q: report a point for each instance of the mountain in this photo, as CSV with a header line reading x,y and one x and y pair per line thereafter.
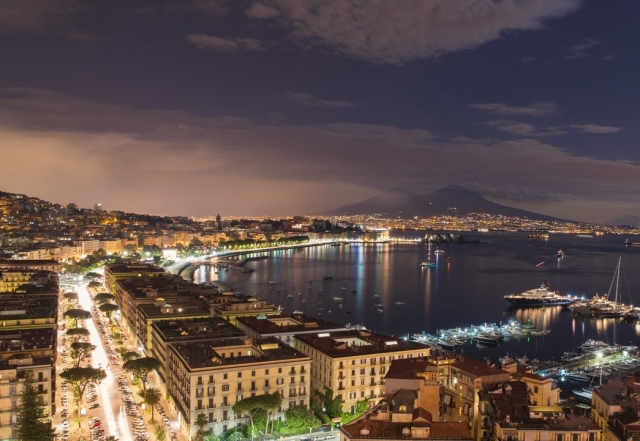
x,y
625,220
451,199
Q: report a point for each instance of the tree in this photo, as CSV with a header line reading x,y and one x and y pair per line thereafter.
x,y
77,314
93,275
80,378
104,297
129,355
251,405
161,433
142,367
299,420
80,349
201,422
78,332
71,296
330,405
94,285
33,424
108,309
151,397
209,436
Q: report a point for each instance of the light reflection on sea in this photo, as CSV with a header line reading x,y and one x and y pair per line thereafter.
x,y
466,287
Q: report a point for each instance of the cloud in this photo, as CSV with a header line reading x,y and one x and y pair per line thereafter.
x,y
397,32
526,129
306,99
262,11
203,41
163,161
539,109
592,128
581,50
42,17
515,193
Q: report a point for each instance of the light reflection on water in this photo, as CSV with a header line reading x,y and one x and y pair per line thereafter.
x,y
466,287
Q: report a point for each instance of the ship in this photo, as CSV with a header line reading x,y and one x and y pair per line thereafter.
x,y
539,297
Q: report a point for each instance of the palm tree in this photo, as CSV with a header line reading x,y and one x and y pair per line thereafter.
x,y
151,398
201,421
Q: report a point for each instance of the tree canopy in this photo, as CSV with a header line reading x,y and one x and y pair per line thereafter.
x,y
70,295
80,349
151,397
104,297
80,378
201,422
299,420
78,332
142,367
331,406
33,425
129,355
77,314
251,405
108,309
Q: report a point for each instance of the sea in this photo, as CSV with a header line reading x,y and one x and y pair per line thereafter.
x,y
466,287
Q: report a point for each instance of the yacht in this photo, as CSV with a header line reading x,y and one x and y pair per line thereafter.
x,y
584,394
560,254
539,297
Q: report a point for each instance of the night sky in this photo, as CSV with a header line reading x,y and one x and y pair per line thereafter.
x,y
300,106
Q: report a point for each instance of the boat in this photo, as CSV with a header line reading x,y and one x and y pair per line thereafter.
x,y
428,265
560,254
584,394
271,282
400,303
336,298
335,244
297,312
354,291
290,296
578,378
380,310
327,278
539,297
438,251
379,305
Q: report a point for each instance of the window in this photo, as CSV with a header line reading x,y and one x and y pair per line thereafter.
x,y
279,370
361,371
362,382
353,382
225,388
293,380
253,385
292,404
353,371
225,415
574,437
302,379
199,380
210,378
253,373
266,371
559,437
266,383
210,416
225,402
210,405
238,397
361,394
199,404
535,389
239,374
224,376
592,437
239,386
353,362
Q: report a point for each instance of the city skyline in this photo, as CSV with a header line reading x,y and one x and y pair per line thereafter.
x,y
277,107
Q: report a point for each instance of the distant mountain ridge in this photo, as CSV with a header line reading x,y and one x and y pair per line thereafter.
x,y
625,220
452,200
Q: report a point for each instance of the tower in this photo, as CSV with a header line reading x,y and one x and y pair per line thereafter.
x,y
219,222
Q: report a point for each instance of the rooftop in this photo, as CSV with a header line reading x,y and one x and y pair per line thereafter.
x,y
477,368
235,351
291,324
347,343
196,329
612,393
132,268
182,307
408,368
390,430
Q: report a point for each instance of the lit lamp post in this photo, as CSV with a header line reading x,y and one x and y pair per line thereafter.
x,y
83,413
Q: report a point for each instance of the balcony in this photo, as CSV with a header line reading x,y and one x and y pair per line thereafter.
x,y
302,383
341,388
293,384
199,395
266,388
240,391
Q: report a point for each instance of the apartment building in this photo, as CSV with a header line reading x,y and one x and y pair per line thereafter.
x,y
401,419
243,306
160,310
209,377
166,332
353,363
40,265
284,327
607,401
22,350
115,271
507,414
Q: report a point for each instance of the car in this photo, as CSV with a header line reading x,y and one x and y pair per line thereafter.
x,y
94,406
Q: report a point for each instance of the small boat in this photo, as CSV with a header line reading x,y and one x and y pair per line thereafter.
x,y
578,378
428,265
297,312
560,254
299,293
336,298
438,251
290,296
327,278
400,303
379,305
271,282
380,310
584,394
340,305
